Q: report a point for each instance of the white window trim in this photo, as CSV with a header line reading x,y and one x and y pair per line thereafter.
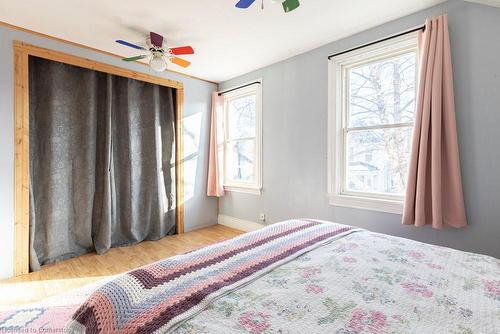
x,y
254,188
336,65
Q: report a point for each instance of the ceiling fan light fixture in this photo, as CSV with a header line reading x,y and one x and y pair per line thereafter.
x,y
157,62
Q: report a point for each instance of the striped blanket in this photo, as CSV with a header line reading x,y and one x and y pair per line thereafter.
x,y
161,296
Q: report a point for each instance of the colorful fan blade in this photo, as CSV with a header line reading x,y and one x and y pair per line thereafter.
x,y
134,58
244,3
122,42
156,40
180,62
289,5
182,50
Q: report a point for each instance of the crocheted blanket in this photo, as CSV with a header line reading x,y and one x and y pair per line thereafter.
x,y
161,296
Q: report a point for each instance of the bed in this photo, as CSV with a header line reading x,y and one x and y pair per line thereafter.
x,y
298,276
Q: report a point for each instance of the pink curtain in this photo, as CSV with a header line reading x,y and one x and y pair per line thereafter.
x,y
215,159
434,191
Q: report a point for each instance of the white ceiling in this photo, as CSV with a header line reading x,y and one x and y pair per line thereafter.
x,y
228,41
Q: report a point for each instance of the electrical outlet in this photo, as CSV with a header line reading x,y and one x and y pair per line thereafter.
x,y
262,217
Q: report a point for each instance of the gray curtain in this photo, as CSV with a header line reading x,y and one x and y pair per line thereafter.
x,y
102,161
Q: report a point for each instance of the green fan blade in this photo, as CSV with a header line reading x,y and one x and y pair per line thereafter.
x,y
289,5
134,58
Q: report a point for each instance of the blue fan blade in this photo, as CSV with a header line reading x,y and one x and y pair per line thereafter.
x,y
244,3
130,45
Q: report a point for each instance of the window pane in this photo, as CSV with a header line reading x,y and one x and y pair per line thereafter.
x,y
240,161
377,160
383,92
241,117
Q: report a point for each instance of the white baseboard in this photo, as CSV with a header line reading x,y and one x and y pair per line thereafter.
x,y
239,224
198,227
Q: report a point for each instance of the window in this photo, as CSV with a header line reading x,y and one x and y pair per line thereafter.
x,y
242,139
372,111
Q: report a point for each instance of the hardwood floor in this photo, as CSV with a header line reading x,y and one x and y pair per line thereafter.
x,y
73,273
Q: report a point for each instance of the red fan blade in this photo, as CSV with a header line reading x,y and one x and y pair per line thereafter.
x,y
156,39
180,62
182,50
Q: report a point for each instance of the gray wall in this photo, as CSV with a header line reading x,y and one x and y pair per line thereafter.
x,y
200,210
295,133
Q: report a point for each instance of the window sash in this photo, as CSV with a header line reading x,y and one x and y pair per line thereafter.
x,y
339,119
378,127
228,166
228,163
240,139
343,172
253,186
237,96
344,156
345,79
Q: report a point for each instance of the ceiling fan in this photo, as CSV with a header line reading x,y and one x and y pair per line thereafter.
x,y
288,5
159,53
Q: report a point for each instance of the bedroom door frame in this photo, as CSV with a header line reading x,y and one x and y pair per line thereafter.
x,y
22,51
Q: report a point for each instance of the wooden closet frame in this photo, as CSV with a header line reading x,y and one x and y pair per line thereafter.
x,y
22,51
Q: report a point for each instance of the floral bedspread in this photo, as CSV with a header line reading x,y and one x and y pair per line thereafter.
x,y
364,283
361,283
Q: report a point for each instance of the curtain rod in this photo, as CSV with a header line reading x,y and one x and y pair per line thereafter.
x,y
378,41
239,87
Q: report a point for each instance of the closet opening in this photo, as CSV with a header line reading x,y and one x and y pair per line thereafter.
x,y
121,129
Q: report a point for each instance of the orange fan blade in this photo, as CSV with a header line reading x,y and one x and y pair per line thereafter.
x,y
180,62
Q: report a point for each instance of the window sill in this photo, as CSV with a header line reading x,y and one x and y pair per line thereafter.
x,y
374,204
244,190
